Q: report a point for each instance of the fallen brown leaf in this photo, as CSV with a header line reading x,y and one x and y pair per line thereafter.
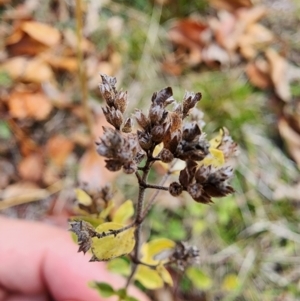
x,y
30,70
31,168
258,74
42,32
23,105
230,5
65,63
25,46
215,54
255,38
251,16
278,73
291,138
92,170
58,148
26,192
189,34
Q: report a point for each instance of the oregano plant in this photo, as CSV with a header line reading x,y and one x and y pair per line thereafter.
x,y
170,134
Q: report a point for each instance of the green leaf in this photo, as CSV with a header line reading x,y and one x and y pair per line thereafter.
x,y
129,298
124,212
104,289
119,266
199,278
112,246
122,293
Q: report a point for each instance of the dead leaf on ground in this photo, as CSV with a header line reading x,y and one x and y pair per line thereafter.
x,y
92,170
51,174
278,73
190,34
29,70
251,16
3,2
225,30
172,67
18,189
255,38
32,38
60,62
44,33
21,44
258,74
230,5
24,105
291,138
213,55
25,192
58,148
31,167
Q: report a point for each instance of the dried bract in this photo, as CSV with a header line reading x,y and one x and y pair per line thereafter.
x,y
84,232
184,255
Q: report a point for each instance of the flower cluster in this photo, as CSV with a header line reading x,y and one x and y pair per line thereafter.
x,y
120,147
182,138
203,182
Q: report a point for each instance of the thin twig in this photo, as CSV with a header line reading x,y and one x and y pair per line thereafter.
x,y
114,232
81,67
152,200
156,187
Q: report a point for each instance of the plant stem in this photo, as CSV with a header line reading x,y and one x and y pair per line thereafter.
x,y
158,187
152,200
81,67
140,213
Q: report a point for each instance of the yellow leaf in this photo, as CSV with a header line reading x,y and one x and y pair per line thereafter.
x,y
148,277
111,246
216,141
215,158
157,250
82,197
95,222
105,212
199,279
164,274
124,212
231,282
158,149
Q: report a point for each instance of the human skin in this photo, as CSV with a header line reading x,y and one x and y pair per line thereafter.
x,y
39,262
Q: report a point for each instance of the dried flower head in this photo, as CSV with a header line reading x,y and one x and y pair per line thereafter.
x,y
184,255
182,138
